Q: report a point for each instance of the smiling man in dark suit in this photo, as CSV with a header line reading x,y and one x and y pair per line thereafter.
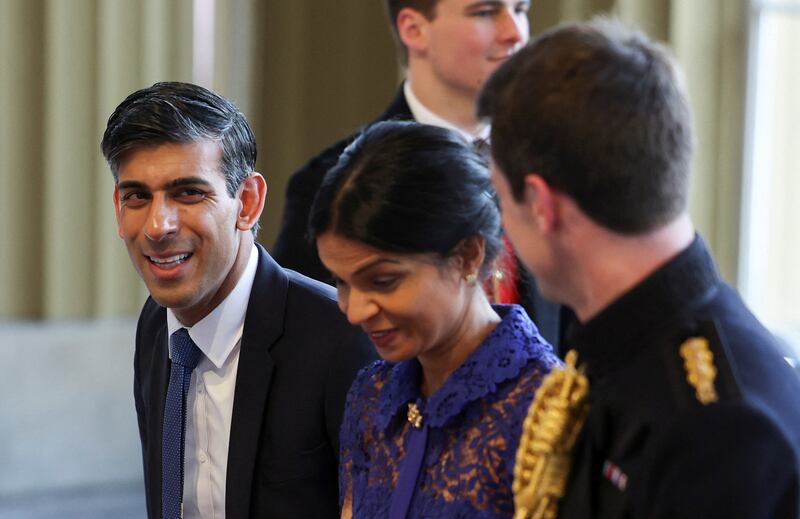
x,y
448,48
241,367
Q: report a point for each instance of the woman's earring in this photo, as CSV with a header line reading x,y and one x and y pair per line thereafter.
x,y
471,279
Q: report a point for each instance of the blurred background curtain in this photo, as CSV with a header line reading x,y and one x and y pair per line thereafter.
x,y
65,65
305,72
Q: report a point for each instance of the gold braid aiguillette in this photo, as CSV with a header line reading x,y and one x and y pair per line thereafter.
x,y
543,459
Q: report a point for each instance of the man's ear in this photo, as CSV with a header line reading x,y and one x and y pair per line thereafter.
x,y
411,28
543,202
116,210
252,195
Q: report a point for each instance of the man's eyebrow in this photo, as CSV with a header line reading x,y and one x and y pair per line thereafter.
x,y
131,184
477,4
483,3
178,182
186,181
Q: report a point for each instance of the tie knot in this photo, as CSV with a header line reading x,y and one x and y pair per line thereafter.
x,y
183,349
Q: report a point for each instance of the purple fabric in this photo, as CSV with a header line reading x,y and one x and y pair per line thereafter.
x,y
409,472
473,426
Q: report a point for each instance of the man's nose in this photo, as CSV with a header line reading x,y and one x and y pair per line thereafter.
x,y
162,220
513,27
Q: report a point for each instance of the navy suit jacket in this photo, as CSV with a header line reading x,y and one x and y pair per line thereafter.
x,y
292,249
297,359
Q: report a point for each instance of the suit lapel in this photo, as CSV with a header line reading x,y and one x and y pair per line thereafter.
x,y
263,326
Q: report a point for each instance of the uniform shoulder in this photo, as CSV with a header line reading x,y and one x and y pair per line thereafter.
x,y
698,365
712,360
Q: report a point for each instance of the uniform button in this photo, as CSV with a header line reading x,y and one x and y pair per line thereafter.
x,y
199,390
202,457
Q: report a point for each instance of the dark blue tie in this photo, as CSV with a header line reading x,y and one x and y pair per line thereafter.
x,y
185,356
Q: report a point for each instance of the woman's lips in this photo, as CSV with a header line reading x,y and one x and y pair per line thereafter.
x,y
383,338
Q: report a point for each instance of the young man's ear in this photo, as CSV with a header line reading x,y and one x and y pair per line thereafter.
x,y
542,201
412,29
252,195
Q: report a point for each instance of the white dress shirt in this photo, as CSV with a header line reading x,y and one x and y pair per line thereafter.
x,y
422,114
210,399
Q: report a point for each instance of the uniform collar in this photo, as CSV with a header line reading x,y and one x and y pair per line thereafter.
x,y
218,333
627,326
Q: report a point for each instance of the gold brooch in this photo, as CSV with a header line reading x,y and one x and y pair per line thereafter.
x,y
700,371
414,416
554,420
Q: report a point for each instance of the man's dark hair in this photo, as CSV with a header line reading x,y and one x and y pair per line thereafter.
x,y
393,7
409,188
181,113
600,112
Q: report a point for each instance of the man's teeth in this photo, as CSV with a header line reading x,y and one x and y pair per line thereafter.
x,y
178,258
379,334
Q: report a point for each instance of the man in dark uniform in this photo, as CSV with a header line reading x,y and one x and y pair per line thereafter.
x,y
449,48
683,406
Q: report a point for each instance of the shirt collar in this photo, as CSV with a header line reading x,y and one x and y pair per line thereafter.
x,y
424,115
218,333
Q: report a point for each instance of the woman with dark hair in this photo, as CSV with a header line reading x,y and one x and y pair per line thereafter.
x,y
407,223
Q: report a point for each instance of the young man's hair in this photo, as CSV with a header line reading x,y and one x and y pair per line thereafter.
x,y
426,7
600,112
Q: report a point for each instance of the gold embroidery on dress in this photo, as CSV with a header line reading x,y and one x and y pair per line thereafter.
x,y
700,371
554,420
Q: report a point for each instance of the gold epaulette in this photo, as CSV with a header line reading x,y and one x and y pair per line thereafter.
x,y
700,370
543,459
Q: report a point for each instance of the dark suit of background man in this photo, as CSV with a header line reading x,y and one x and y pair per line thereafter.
x,y
449,48
265,401
692,410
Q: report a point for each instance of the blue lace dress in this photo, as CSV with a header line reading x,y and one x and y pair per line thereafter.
x,y
473,426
